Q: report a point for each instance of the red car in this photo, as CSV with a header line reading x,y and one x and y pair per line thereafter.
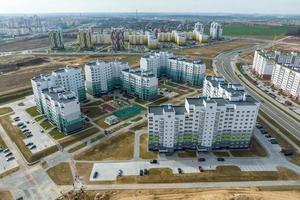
x,y
200,169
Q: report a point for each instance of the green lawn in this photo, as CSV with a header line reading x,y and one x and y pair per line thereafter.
x,y
159,101
96,103
238,29
32,111
5,110
39,118
46,125
129,112
56,134
93,112
76,148
15,95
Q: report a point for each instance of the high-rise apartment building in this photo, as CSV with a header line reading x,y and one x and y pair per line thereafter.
x,y
70,79
102,77
199,28
142,84
56,39
62,108
117,39
204,123
85,39
216,31
175,68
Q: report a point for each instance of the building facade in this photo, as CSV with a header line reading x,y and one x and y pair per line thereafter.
x,y
141,84
203,123
85,39
216,31
199,28
102,77
287,79
70,79
117,39
176,68
62,108
265,61
56,39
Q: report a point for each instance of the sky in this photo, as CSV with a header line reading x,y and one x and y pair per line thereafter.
x,y
195,6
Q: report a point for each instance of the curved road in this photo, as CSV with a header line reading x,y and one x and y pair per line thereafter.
x,y
224,64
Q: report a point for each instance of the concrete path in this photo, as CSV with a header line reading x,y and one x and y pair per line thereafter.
x,y
137,136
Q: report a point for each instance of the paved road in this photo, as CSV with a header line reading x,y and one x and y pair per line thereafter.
x,y
224,65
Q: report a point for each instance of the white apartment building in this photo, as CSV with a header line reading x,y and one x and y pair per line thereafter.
x,y
265,61
199,28
102,77
142,84
62,108
216,31
287,79
70,79
176,68
156,62
203,123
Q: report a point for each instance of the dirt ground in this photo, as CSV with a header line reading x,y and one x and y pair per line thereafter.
x,y
19,77
144,153
212,51
28,44
196,194
6,195
61,174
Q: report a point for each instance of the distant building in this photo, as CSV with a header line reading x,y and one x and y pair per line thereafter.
x,y
152,41
117,39
102,77
62,108
56,39
199,28
85,39
175,68
141,84
216,31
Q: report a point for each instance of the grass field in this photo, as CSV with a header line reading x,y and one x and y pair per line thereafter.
x,y
129,112
5,110
159,101
238,29
100,122
76,148
139,126
13,96
116,148
144,153
46,125
33,112
93,112
221,153
2,143
78,137
61,174
40,118
6,195
256,150
56,134
187,154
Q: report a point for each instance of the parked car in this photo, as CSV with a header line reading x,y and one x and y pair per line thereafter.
x,y
32,147
201,159
6,150
29,144
146,172
200,168
141,172
28,136
153,162
95,175
221,159
8,154
20,124
25,130
120,172
273,141
10,158
287,152
268,136
179,170
24,126
16,118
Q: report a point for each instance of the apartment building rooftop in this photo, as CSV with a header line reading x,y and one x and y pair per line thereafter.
x,y
139,72
159,110
178,58
60,95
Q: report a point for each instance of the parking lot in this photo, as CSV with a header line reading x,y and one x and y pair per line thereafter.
x,y
108,171
7,165
39,138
